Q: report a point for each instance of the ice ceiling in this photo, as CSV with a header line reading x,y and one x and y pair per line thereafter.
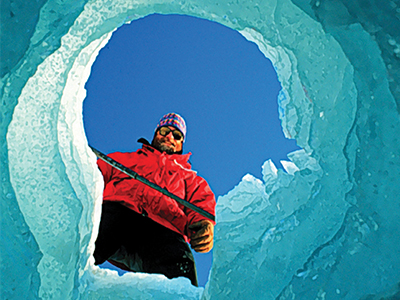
x,y
327,228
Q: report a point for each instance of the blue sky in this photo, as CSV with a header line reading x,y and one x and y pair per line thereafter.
x,y
218,81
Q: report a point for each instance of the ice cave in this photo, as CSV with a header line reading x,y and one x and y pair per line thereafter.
x,y
326,227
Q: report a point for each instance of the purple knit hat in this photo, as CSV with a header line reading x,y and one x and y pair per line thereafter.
x,y
173,119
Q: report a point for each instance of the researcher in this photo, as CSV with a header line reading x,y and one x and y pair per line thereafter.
x,y
143,230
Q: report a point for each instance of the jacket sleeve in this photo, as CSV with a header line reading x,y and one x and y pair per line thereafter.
x,y
105,169
199,193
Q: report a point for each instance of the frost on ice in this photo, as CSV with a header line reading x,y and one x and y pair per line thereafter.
x,y
326,227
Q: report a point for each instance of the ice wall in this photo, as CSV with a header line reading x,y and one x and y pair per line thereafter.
x,y
327,228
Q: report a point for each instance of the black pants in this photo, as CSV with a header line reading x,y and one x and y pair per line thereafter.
x,y
145,245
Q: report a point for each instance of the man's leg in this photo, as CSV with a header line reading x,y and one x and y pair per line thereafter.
x,y
173,258
111,230
156,249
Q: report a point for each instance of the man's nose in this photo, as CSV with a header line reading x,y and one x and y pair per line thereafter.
x,y
170,136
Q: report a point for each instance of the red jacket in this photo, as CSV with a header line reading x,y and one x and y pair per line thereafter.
x,y
172,172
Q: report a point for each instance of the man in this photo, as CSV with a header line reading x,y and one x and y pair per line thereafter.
x,y
143,230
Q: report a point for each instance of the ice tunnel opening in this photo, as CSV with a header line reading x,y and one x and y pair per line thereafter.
x,y
210,74
57,90
323,102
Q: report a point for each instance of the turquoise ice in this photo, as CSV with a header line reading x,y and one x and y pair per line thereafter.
x,y
326,227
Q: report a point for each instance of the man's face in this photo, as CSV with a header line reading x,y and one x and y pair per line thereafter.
x,y
167,143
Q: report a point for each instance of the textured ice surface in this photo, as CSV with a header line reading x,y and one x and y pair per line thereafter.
x,y
326,228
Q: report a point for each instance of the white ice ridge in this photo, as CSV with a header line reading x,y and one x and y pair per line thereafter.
x,y
328,228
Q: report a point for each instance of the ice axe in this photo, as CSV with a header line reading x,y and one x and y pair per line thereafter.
x,y
136,176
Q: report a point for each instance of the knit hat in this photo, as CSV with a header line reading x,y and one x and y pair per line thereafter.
x,y
173,119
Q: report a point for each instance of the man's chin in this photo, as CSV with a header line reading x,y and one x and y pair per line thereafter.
x,y
167,148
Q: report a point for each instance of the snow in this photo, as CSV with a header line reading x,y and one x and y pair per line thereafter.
x,y
326,228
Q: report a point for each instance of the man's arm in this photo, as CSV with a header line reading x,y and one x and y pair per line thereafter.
x,y
105,169
200,230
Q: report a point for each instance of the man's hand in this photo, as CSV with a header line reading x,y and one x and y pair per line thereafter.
x,y
202,236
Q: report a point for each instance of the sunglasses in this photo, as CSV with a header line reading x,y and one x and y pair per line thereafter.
x,y
164,131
